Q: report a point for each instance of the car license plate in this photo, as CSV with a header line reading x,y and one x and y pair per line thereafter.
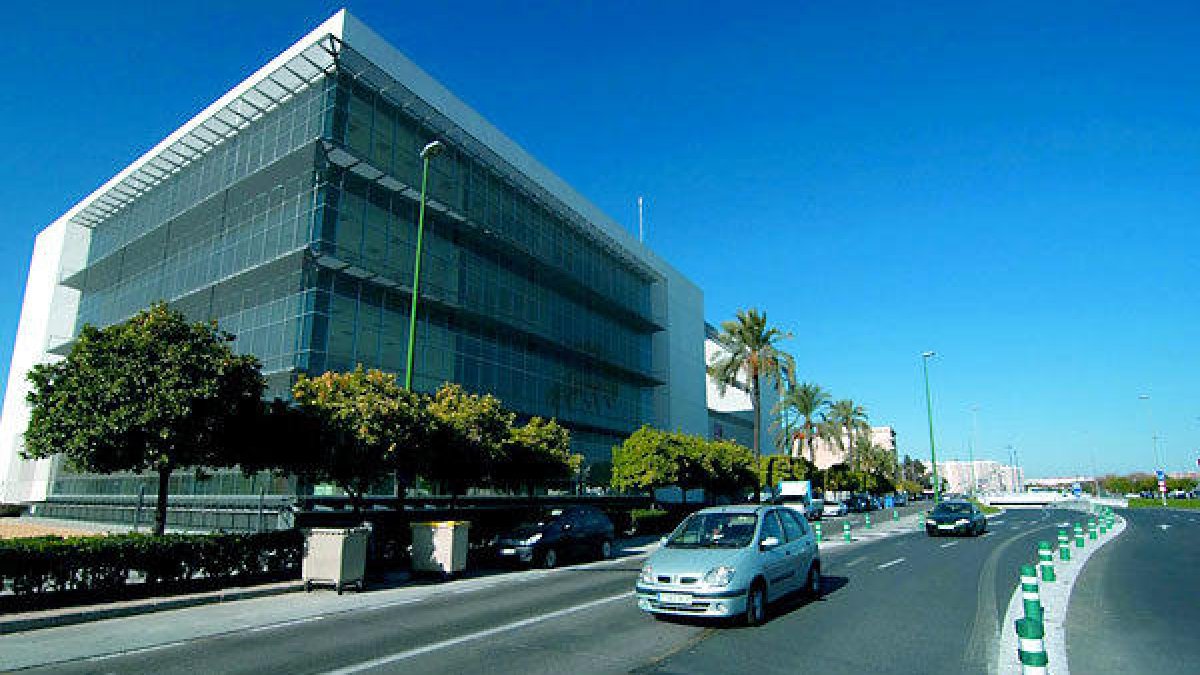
x,y
945,527
508,551
675,598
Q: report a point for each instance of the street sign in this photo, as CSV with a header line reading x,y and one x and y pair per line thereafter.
x,y
1160,474
1076,489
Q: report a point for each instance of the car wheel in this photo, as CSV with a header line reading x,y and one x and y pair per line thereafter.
x,y
606,550
550,559
756,604
812,585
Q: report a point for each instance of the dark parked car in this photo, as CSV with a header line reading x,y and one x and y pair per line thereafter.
x,y
557,535
955,517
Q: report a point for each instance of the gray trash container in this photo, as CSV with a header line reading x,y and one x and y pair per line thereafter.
x,y
335,556
440,546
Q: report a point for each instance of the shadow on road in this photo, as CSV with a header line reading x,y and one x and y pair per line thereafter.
x,y
779,609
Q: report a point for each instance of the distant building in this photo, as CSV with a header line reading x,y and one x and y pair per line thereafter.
x,y
829,452
989,476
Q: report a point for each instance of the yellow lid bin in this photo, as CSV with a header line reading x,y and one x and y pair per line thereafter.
x,y
440,546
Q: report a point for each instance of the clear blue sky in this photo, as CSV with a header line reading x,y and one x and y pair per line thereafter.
x,y
1015,185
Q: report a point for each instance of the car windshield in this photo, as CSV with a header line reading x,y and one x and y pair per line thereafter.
x,y
952,509
541,519
714,530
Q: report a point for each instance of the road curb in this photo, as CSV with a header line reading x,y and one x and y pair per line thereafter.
x,y
67,616
1055,598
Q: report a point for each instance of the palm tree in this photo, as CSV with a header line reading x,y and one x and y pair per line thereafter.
x,y
807,400
850,417
750,353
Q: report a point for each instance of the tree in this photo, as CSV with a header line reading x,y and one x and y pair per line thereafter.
x,y
651,459
806,401
534,454
750,354
467,446
728,467
777,468
850,417
153,393
367,426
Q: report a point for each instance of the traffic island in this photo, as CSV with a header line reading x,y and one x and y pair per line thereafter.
x,y
1051,597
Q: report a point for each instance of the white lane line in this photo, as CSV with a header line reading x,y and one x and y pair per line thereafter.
x,y
986,534
886,565
436,646
285,624
854,562
949,544
142,650
997,522
394,603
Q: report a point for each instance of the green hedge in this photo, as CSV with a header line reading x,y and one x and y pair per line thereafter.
x,y
651,521
37,567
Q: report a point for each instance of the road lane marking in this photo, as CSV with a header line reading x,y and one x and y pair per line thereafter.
x,y
285,624
854,562
394,603
886,565
949,544
142,650
436,646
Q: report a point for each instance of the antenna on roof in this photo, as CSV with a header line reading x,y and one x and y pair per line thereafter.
x,y
641,229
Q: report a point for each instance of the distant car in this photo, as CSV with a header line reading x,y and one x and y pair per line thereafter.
x,y
810,509
955,517
731,561
833,509
1132,495
900,499
556,535
860,504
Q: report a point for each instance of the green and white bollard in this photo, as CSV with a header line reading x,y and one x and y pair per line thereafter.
x,y
1031,646
817,530
1078,535
867,520
846,532
1092,528
1064,544
895,516
1046,560
1103,526
1030,597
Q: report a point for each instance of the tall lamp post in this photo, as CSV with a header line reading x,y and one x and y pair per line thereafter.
x,y
937,484
1154,440
428,152
971,447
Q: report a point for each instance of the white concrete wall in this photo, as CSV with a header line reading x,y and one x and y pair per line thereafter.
x,y
47,312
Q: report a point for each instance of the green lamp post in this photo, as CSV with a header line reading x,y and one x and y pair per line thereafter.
x,y
937,483
431,150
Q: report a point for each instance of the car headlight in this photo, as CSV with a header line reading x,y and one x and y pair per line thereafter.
x,y
533,539
961,521
719,576
647,575
930,521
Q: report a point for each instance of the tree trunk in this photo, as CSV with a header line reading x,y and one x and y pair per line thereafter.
x,y
160,508
755,402
809,432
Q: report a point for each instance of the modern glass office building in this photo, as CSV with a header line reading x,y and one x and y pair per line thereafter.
x,y
287,212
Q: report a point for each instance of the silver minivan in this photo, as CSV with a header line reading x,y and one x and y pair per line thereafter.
x,y
731,561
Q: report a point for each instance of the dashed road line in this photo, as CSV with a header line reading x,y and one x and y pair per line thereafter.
x,y
886,565
285,624
949,544
854,562
436,646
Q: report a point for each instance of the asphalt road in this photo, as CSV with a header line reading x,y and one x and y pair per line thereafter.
x,y
1135,608
904,603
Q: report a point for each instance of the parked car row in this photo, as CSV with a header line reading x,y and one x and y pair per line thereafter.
x,y
557,535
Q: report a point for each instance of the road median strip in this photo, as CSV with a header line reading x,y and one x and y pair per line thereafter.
x,y
1039,640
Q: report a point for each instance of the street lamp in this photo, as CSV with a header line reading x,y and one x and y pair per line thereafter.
x,y
937,485
974,434
433,149
1153,440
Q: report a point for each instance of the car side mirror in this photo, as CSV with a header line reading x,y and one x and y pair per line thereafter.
x,y
769,543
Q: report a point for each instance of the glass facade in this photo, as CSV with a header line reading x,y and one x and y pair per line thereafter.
x,y
298,236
